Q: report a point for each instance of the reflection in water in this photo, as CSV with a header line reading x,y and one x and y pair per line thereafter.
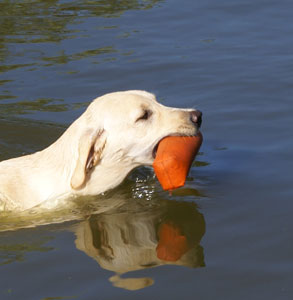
x,y
130,240
128,229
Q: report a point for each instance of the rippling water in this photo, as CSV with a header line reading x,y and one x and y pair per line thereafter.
x,y
226,233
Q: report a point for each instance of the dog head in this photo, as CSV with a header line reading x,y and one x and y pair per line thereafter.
x,y
122,130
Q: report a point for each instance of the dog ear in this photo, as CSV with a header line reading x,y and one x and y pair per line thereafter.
x,y
90,148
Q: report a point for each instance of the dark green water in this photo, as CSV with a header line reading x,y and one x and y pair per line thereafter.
x,y
231,59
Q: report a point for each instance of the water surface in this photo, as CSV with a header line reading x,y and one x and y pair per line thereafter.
x,y
230,225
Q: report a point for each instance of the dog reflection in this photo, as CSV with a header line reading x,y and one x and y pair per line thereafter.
x,y
130,240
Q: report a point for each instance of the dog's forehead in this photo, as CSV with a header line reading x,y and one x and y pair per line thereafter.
x,y
132,98
123,101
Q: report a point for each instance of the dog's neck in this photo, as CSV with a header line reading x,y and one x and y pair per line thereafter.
x,y
52,170
104,176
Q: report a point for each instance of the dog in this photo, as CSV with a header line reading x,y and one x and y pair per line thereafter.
x,y
117,133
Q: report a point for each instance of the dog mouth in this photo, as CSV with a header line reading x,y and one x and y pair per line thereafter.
x,y
155,149
154,152
185,131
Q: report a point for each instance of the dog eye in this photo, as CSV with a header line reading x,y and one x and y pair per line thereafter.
x,y
146,114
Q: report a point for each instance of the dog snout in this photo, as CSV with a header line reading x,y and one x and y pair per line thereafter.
x,y
196,117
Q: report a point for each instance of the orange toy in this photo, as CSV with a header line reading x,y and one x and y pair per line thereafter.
x,y
174,158
172,243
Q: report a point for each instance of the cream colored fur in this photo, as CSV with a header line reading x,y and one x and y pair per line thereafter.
x,y
116,133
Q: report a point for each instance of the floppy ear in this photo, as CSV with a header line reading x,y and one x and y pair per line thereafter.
x,y
90,148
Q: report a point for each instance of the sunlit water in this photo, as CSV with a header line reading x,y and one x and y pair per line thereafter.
x,y
226,234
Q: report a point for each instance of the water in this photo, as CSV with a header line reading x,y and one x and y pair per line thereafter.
x,y
231,222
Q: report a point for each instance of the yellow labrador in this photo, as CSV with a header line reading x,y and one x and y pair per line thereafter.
x,y
117,132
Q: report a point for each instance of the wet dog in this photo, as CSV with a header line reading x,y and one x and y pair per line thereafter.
x,y
117,133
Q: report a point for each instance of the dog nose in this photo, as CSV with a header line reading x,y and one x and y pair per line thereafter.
x,y
196,117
